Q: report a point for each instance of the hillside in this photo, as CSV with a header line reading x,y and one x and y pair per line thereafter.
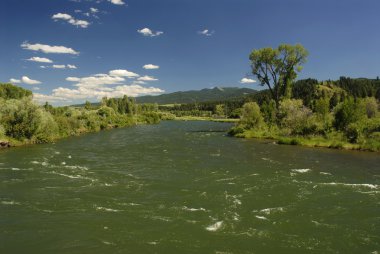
x,y
214,94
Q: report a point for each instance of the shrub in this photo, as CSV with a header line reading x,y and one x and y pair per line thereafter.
x,y
296,117
269,111
251,116
348,112
370,105
22,119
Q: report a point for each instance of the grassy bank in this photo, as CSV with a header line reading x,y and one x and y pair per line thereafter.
x,y
24,122
199,118
333,140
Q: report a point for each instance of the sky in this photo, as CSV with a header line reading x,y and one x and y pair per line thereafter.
x,y
69,51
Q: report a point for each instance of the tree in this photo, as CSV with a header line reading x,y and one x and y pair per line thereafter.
x,y
251,116
87,105
277,68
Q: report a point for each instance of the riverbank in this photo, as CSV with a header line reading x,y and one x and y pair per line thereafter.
x,y
199,118
334,140
12,142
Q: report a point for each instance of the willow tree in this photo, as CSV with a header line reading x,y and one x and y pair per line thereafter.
x,y
278,68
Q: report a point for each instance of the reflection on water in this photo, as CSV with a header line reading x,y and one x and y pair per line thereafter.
x,y
185,187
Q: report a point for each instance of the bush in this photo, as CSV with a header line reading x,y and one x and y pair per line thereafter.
x,y
251,116
348,112
47,128
370,105
22,119
296,117
269,111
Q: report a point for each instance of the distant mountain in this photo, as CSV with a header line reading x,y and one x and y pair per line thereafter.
x,y
213,94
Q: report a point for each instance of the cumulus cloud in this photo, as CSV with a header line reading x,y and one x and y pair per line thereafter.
x,y
71,66
71,20
247,81
151,67
59,66
117,2
97,86
62,66
123,73
73,79
206,32
148,32
27,80
49,49
14,81
147,78
40,59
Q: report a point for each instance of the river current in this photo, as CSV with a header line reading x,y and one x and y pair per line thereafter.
x,y
186,187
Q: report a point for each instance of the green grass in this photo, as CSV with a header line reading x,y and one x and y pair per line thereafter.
x,y
201,118
333,140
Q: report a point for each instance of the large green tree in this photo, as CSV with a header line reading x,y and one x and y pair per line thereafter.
x,y
277,68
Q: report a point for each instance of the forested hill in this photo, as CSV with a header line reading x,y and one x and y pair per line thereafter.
x,y
214,94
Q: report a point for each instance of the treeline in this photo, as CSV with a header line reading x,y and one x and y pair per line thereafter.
x,y
343,113
23,121
308,90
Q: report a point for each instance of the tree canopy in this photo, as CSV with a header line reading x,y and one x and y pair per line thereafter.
x,y
277,68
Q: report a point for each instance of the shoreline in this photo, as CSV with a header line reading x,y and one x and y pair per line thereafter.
x,y
312,142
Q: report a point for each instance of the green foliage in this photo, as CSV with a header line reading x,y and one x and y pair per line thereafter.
x,y
277,68
22,119
305,89
87,105
251,116
371,106
9,91
269,111
149,117
348,112
295,117
220,110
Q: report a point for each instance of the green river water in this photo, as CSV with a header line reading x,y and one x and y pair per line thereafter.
x,y
186,187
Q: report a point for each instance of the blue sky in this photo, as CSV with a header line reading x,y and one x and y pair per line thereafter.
x,y
104,44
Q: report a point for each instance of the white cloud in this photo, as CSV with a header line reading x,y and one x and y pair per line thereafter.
x,y
71,20
247,81
73,79
62,66
94,10
48,49
95,87
123,73
43,66
36,88
27,80
96,81
59,66
71,66
206,32
63,16
14,81
117,2
147,78
79,22
40,59
147,32
151,66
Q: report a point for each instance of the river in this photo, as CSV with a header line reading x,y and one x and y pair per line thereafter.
x,y
186,187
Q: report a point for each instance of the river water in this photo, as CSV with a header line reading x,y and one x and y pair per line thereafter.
x,y
186,187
